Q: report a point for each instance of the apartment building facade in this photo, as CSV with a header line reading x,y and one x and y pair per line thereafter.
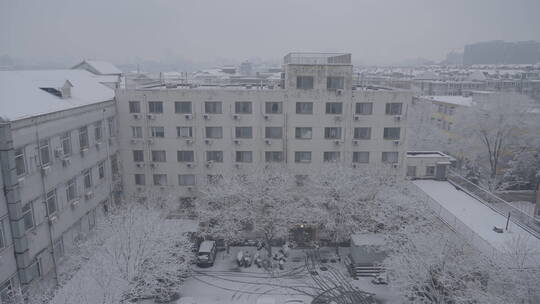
x,y
58,140
184,137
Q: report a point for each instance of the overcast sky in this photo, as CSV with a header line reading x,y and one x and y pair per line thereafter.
x,y
374,31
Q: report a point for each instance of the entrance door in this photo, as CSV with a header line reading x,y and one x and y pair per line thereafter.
x,y
440,173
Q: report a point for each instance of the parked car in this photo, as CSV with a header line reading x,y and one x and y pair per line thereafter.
x,y
207,253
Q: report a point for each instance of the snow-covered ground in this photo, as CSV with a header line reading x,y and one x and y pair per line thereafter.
x,y
478,217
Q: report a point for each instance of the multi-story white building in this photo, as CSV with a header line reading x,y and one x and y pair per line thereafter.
x,y
57,158
184,136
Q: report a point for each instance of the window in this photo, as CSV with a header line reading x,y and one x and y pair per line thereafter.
x,y
273,107
302,157
332,133
112,126
332,156
242,107
184,132
361,157
182,107
87,178
97,131
304,108
83,137
334,108
159,156
335,82
136,132
244,156
364,108
34,270
65,139
362,133
451,110
160,179
138,155
212,107
214,178
101,170
134,107
273,132
303,133
114,164
391,133
273,156
215,156
186,179
390,157
50,201
71,190
44,153
20,162
91,219
214,132
393,108
411,171
155,107
440,109
304,82
28,215
185,156
140,179
58,249
430,171
157,132
243,132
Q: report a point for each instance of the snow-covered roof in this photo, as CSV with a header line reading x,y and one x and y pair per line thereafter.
x,y
22,96
370,239
99,67
426,154
457,100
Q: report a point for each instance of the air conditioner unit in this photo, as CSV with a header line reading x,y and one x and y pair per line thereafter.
x,y
188,116
46,169
337,142
140,189
150,141
139,165
356,117
267,141
238,166
397,118
58,152
88,195
189,188
190,165
208,141
136,116
153,165
236,117
74,203
151,116
66,161
339,92
189,141
356,142
354,166
395,165
396,142
337,118
209,164
83,151
267,117
206,116
237,141
134,141
98,145
53,219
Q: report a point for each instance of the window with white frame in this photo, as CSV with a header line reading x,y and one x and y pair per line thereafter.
x,y
182,107
186,179
134,107
157,132
361,157
273,156
243,132
362,133
44,153
242,107
302,156
50,202
213,107
304,108
244,156
98,131
184,132
335,82
20,162
390,157
214,132
271,107
331,156
393,108
214,156
65,139
273,132
364,108
83,137
155,107
101,170
140,179
185,156
391,133
332,133
71,190
160,179
334,108
303,133
304,82
136,132
87,179
138,155
28,215
159,156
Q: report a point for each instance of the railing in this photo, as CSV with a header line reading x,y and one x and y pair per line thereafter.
x,y
497,204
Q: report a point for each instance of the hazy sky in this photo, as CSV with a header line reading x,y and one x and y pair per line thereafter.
x,y
374,31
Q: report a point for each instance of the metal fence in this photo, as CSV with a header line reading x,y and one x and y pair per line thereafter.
x,y
497,204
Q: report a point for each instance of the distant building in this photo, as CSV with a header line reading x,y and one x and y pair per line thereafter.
x,y
501,52
246,68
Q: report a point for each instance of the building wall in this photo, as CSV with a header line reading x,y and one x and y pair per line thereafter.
x,y
72,217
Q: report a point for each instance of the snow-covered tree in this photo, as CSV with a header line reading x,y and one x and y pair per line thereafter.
x,y
523,172
422,133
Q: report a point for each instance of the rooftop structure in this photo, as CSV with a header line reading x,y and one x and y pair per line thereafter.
x,y
318,58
